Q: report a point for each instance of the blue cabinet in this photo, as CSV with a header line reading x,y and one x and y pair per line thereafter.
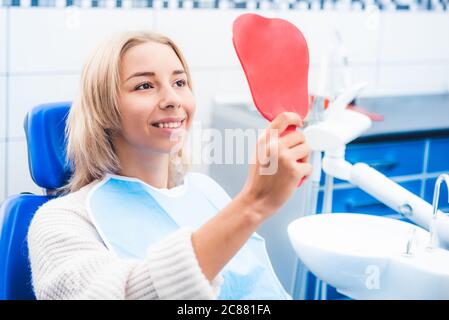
x,y
438,155
412,161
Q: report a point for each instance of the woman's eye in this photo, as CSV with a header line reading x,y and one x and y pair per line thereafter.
x,y
144,86
181,83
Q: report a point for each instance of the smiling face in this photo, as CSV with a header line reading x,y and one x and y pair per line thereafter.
x,y
155,101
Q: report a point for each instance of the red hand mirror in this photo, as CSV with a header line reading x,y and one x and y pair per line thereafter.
x,y
275,58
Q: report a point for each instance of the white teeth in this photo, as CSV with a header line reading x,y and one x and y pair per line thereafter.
x,y
169,125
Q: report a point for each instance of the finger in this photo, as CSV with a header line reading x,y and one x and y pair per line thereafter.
x,y
307,158
305,169
300,152
292,139
283,120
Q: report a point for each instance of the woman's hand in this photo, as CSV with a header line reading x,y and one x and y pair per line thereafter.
x,y
274,171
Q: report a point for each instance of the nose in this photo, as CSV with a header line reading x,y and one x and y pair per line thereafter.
x,y
170,99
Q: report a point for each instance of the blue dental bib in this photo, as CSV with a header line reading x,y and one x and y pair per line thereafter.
x,y
130,215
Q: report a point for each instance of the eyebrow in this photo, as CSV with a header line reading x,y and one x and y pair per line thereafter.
x,y
152,74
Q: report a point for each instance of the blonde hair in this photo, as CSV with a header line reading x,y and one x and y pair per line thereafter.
x,y
94,116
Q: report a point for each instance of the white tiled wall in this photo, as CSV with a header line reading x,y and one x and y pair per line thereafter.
x,y
205,36
319,28
414,53
416,38
2,170
48,40
2,108
3,31
2,138
19,178
27,91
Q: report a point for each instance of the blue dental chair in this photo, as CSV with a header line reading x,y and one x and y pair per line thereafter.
x,y
44,128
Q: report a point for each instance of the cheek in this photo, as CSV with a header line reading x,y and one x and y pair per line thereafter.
x,y
134,115
190,108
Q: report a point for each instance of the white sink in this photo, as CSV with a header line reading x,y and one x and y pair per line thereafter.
x,y
364,256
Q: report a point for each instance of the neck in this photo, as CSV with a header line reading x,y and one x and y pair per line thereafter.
x,y
150,167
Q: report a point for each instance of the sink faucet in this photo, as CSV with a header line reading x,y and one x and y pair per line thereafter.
x,y
410,242
433,221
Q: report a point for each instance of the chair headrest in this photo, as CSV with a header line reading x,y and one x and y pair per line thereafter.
x,y
45,133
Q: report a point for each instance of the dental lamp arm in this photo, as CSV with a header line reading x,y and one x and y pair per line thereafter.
x,y
379,186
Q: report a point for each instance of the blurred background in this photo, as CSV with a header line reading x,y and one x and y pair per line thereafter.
x,y
400,48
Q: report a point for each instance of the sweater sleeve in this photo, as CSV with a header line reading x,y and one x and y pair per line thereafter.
x,y
69,261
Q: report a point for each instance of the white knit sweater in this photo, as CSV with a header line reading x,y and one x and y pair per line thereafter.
x,y
69,260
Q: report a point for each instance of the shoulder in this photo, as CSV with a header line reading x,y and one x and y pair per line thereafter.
x,y
74,202
211,188
62,218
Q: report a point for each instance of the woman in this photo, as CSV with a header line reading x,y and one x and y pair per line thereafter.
x,y
133,223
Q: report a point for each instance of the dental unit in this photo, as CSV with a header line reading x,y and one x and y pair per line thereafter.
x,y
339,127
365,256
362,256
